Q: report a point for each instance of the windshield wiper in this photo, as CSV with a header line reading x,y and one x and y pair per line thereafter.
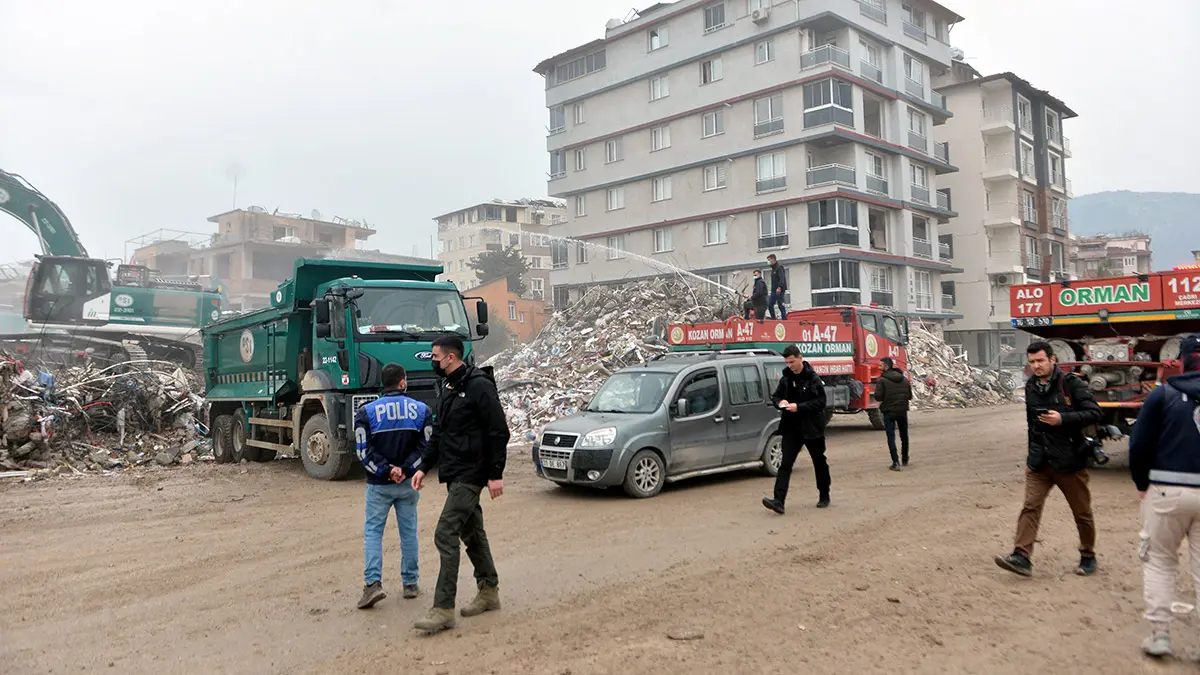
x,y
620,412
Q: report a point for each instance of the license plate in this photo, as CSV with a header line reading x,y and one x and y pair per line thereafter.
x,y
560,464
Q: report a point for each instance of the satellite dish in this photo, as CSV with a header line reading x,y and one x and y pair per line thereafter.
x,y
316,215
613,24
957,54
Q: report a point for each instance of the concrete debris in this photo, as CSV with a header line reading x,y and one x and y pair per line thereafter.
x,y
942,379
68,419
609,328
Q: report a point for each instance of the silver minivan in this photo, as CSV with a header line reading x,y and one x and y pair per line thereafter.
x,y
679,416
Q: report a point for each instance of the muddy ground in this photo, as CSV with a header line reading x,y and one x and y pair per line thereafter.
x,y
256,569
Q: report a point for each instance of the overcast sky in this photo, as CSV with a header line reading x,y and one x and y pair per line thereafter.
x,y
135,115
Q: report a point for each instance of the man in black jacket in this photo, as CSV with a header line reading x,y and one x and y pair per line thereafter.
x,y
758,298
800,397
1058,406
894,391
468,445
779,286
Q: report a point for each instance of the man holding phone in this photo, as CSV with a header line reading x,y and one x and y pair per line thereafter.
x,y
800,398
1058,406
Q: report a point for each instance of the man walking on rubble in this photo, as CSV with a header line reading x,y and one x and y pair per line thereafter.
x,y
468,446
894,391
1058,406
389,437
758,298
779,286
800,398
1164,460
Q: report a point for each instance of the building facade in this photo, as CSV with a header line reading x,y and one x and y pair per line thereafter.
x,y
523,316
1111,255
491,226
1011,195
706,135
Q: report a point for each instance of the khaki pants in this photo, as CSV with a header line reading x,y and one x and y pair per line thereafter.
x,y
1169,514
1074,487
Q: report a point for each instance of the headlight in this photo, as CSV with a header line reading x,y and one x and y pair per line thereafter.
x,y
599,438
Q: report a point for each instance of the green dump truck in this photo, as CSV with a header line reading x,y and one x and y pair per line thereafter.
x,y
287,379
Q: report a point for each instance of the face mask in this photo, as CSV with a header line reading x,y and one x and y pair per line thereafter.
x,y
438,370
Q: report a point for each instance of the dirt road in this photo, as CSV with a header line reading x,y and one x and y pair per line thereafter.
x,y
255,569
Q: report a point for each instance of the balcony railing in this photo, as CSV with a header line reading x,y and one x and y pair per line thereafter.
x,y
1066,146
1029,214
1068,188
917,141
772,241
998,114
825,54
944,251
922,248
941,151
871,71
914,31
767,128
915,88
920,193
1026,125
943,200
1002,211
1053,136
938,100
845,235
768,184
877,184
1002,162
1028,168
924,301
831,173
1057,178
883,298
947,301
871,11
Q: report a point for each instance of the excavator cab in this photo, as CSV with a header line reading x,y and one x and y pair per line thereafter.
x,y
68,290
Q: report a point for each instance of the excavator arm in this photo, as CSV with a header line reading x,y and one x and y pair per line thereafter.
x,y
42,216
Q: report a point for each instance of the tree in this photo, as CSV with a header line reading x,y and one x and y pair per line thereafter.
x,y
498,339
505,263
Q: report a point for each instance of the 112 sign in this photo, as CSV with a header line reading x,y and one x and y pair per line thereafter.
x,y
1184,284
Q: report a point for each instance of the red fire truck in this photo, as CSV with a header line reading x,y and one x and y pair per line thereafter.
x,y
1121,334
844,344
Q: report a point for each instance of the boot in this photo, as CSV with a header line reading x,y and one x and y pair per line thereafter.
x,y
436,620
371,595
1017,563
488,599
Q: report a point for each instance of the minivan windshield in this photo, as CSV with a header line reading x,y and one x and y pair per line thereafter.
x,y
632,392
411,311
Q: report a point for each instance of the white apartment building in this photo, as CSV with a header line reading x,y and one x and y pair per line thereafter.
x,y
1011,194
1111,255
708,134
523,224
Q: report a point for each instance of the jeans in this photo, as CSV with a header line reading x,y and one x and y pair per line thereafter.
x,y
1074,487
462,520
1169,513
776,299
380,500
792,445
890,423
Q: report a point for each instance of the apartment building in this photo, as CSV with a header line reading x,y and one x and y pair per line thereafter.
x,y
1011,195
1110,255
491,226
707,135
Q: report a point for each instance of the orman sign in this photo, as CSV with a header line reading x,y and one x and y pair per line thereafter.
x,y
1116,294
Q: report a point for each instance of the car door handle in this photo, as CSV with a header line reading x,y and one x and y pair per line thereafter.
x,y
718,419
735,418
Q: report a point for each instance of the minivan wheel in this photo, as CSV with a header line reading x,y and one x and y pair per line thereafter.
x,y
773,456
875,416
645,476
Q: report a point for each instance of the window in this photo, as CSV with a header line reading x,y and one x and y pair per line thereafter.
x,y
913,69
613,151
752,5
558,119
764,51
579,67
657,38
562,297
560,255
535,262
913,16
580,206
772,228
470,241
714,177
1024,114
835,283
713,123
1052,126
876,174
881,286
1029,207
714,17
492,213
1031,253
1027,165
710,70
660,138
616,247
662,240
1059,208
828,102
581,159
660,87
716,232
771,172
558,164
282,231
538,288
702,393
922,290
512,311
616,198
919,175
1129,261
579,118
719,282
581,253
660,189
1056,171
833,221
768,115
745,385
870,54
869,322
520,317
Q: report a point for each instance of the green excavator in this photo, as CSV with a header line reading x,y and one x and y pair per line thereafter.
x,y
72,305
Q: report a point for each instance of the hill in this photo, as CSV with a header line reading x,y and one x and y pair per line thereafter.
x,y
1172,219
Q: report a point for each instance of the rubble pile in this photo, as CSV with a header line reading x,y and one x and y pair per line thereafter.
x,y
79,418
942,379
608,329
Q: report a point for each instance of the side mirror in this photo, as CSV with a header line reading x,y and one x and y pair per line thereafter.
x,y
681,408
321,312
481,312
482,330
324,331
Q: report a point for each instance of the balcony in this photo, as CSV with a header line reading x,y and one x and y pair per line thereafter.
x,y
947,302
917,141
1026,125
1067,187
1028,169
1029,215
768,127
830,235
915,32
825,54
937,100
1066,146
1003,165
770,184
923,301
831,173
1057,180
772,241
871,71
997,119
922,249
945,254
883,298
871,11
941,151
920,193
877,184
943,201
915,88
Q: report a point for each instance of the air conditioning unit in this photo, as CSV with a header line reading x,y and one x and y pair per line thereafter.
x,y
760,15
1003,280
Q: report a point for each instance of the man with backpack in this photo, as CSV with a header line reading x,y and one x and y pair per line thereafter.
x,y
1058,406
1164,459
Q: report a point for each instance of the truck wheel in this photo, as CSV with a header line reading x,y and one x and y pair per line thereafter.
x,y
324,457
773,456
876,417
645,476
241,432
223,439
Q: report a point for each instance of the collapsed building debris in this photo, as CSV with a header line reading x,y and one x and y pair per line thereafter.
x,y
942,379
80,418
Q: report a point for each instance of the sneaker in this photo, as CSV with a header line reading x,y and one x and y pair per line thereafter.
x,y
438,619
411,591
823,503
487,600
1087,566
773,504
1016,563
894,467
1158,644
904,461
372,594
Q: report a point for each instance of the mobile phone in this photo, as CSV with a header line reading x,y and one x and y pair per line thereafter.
x,y
1042,411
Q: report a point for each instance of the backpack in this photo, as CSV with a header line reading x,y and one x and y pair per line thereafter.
x,y
1090,431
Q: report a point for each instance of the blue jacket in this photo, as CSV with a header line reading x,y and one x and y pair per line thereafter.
x,y
391,431
1164,448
